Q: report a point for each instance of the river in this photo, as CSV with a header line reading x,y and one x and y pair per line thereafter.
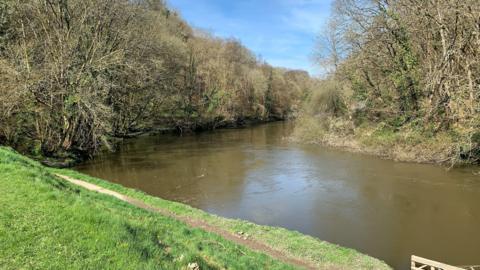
x,y
386,209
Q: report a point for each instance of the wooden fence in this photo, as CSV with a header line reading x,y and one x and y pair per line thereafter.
x,y
419,263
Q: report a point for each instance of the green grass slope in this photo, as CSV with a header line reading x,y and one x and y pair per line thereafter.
x,y
46,223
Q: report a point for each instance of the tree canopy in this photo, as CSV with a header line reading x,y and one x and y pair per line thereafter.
x,y
76,73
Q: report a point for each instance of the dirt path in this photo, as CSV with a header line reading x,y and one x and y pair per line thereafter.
x,y
196,223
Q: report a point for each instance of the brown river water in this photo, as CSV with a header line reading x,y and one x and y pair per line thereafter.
x,y
386,209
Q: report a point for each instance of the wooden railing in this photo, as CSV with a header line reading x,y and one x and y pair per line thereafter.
x,y
419,263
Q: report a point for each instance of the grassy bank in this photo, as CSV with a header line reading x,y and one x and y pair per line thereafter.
x,y
48,223
407,144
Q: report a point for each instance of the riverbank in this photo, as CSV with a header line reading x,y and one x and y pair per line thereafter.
x,y
65,160
48,222
406,145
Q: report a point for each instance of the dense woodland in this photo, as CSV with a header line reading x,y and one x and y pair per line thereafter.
x,y
403,79
76,73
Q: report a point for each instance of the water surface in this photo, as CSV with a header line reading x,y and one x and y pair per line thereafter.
x,y
382,208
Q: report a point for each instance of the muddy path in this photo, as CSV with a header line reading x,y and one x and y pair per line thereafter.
x,y
197,223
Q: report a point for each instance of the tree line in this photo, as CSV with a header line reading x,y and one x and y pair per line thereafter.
x,y
406,67
76,73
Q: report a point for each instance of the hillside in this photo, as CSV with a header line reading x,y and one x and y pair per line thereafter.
x,y
76,75
402,81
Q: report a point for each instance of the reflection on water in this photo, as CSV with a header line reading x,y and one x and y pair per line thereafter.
x,y
386,209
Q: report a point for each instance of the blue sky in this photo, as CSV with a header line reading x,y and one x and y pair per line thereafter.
x,y
282,32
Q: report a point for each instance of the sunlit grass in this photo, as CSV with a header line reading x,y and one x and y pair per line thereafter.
x,y
46,223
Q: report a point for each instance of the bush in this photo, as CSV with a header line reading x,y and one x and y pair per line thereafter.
x,y
328,99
